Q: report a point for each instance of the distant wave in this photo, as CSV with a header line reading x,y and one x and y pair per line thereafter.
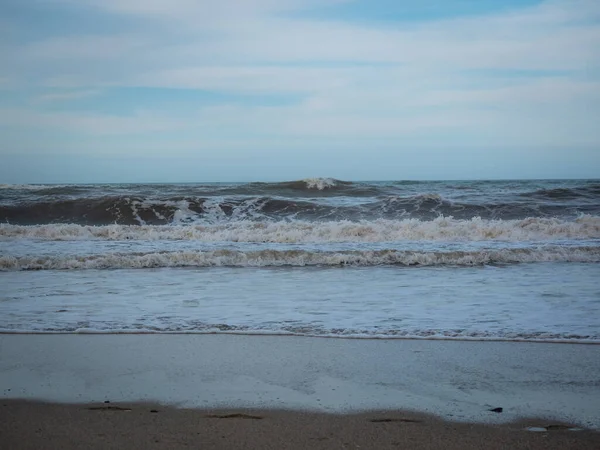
x,y
132,210
311,187
314,183
588,192
381,230
31,187
275,258
328,186
311,199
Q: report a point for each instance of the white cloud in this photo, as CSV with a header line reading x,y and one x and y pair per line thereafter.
x,y
250,79
555,35
75,49
201,9
90,124
64,96
351,79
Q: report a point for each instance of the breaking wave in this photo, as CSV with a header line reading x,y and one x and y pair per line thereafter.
x,y
131,210
30,187
381,230
312,183
311,199
275,258
591,191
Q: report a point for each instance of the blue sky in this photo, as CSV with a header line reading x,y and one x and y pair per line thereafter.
x,y
240,90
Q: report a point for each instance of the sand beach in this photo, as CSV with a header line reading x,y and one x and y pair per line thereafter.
x,y
228,391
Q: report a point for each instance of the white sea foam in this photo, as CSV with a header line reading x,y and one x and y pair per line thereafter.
x,y
319,183
268,258
382,230
31,187
520,302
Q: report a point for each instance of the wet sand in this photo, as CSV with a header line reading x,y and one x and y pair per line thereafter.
x,y
30,425
308,392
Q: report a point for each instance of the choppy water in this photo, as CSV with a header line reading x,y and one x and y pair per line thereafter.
x,y
479,259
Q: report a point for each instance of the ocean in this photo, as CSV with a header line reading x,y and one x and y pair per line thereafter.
x,y
499,260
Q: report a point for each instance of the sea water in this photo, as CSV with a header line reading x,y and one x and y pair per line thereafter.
x,y
510,260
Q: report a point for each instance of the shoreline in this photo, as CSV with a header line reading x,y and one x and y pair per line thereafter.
x,y
259,334
455,380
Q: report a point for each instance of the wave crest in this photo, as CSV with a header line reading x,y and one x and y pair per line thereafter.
x,y
381,230
322,183
276,258
563,193
131,210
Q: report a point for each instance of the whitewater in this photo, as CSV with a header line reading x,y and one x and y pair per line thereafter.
x,y
510,260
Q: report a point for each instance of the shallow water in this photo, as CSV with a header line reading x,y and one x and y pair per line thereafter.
x,y
550,301
470,260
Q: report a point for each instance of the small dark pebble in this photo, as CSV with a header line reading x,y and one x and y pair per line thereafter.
x,y
154,410
108,408
496,410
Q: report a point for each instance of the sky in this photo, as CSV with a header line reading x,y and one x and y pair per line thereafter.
x,y
245,90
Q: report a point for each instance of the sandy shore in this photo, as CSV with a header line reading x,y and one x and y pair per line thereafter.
x,y
325,386
30,425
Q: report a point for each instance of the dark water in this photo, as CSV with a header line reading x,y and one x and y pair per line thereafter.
x,y
309,200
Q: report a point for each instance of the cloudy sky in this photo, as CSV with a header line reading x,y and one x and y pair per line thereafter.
x,y
240,90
